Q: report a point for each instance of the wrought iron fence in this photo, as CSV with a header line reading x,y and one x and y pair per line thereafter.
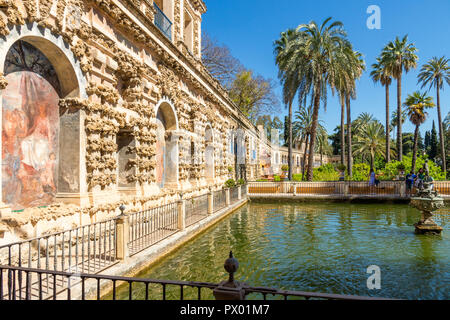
x,y
196,209
89,248
244,191
163,22
220,199
234,194
75,287
151,226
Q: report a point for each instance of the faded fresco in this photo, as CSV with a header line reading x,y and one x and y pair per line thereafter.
x,y
30,122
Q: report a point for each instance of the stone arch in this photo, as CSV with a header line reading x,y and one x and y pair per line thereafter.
x,y
48,153
167,156
209,153
56,50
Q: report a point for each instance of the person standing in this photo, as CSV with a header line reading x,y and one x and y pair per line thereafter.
x,y
410,177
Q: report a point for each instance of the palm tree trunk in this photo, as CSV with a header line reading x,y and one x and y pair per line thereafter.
x,y
399,119
349,139
290,142
441,135
304,157
414,158
342,129
388,138
315,121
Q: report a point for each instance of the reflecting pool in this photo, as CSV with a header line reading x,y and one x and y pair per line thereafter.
x,y
320,247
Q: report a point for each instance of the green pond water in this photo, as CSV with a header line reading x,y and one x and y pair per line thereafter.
x,y
319,247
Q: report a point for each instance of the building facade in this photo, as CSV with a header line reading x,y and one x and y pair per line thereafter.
x,y
107,102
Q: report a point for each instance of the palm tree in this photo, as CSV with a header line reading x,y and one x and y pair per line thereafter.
x,y
394,120
381,75
289,80
370,142
357,66
302,131
323,145
416,104
434,73
312,60
399,56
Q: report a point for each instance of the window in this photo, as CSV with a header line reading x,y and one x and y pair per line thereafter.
x,y
188,31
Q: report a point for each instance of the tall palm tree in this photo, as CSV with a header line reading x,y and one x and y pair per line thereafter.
x,y
302,131
380,74
323,145
357,66
399,56
289,80
312,62
435,73
416,104
370,142
394,118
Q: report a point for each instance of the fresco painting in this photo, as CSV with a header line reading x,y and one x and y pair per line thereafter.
x,y
30,140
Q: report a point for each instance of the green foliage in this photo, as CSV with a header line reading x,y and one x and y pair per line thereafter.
x,y
325,173
252,94
241,182
276,178
284,167
297,177
230,169
361,172
390,172
341,167
230,183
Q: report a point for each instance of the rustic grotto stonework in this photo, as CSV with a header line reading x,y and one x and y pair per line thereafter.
x,y
117,71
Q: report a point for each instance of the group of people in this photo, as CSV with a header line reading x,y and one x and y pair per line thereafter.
x,y
413,180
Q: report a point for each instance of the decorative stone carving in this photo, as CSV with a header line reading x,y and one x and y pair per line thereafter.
x,y
3,82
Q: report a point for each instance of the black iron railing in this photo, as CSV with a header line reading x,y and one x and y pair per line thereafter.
x,y
89,248
18,283
163,22
220,199
196,209
151,226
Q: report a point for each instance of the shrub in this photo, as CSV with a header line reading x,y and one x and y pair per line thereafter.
x,y
297,177
276,178
341,167
230,183
230,169
284,167
361,172
325,173
390,172
241,182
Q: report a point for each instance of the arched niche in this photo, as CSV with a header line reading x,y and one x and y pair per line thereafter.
x,y
41,144
209,154
167,162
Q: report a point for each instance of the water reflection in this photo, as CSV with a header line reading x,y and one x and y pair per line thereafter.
x,y
318,247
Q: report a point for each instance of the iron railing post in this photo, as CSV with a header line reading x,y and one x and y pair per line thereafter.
x,y
123,234
231,289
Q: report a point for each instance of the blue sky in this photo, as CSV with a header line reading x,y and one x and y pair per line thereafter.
x,y
249,28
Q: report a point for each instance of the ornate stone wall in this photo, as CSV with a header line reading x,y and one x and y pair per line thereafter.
x,y
123,69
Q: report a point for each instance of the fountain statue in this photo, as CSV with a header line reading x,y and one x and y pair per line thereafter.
x,y
427,200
